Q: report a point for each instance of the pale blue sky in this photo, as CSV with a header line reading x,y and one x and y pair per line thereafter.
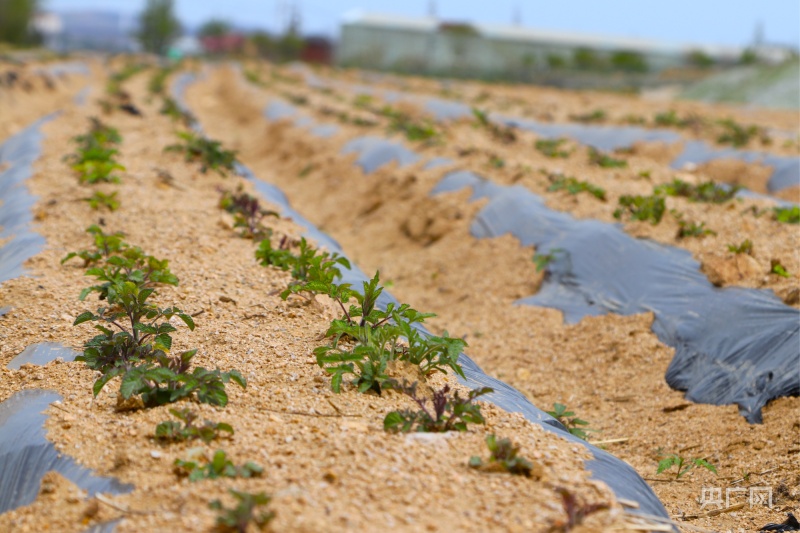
x,y
729,22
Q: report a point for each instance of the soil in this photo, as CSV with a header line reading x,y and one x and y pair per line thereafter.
x,y
610,369
328,463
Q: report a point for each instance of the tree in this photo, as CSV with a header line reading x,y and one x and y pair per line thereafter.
x,y
214,28
15,21
158,25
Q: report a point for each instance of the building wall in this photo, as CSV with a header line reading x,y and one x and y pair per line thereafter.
x,y
442,52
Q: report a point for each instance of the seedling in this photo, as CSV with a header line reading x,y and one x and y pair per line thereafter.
x,y
504,134
598,115
209,153
559,182
575,511
254,77
219,466
238,518
574,425
137,348
643,208
363,101
497,162
604,160
158,81
683,465
746,247
779,269
738,135
503,456
170,108
414,130
787,215
704,192
449,413
171,431
99,199
377,335
552,148
310,264
95,158
693,229
247,213
542,260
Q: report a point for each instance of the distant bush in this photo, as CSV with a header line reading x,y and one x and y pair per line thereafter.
x,y
629,61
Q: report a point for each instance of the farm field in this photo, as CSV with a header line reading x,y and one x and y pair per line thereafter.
x,y
580,277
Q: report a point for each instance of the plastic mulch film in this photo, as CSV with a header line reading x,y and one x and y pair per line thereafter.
x,y
26,455
732,345
617,474
17,156
41,354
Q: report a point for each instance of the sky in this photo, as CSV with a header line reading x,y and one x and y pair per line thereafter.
x,y
724,22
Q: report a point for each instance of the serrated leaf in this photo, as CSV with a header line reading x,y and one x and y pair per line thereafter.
x,y
86,316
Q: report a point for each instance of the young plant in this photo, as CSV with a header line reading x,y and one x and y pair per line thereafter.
x,y
105,245
683,465
693,229
504,134
542,260
746,247
704,192
240,517
598,115
99,199
778,269
413,130
559,182
738,135
575,425
209,153
94,159
449,413
552,148
188,429
604,160
643,208
247,213
219,466
374,338
787,215
322,266
170,108
158,81
503,456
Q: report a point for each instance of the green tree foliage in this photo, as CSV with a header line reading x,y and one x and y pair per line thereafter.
x,y
158,25
214,28
15,21
629,61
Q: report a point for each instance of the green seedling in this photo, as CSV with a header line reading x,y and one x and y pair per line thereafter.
x,y
99,199
704,192
746,247
683,465
643,208
254,77
552,148
135,343
363,101
209,153
542,260
787,215
309,264
604,160
373,338
504,134
158,81
240,517
414,130
219,466
503,456
497,162
188,429
94,159
738,135
598,115
778,269
693,229
449,413
170,108
575,425
559,182
247,213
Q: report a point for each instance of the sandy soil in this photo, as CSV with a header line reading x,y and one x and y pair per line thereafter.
x,y
327,461
609,369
